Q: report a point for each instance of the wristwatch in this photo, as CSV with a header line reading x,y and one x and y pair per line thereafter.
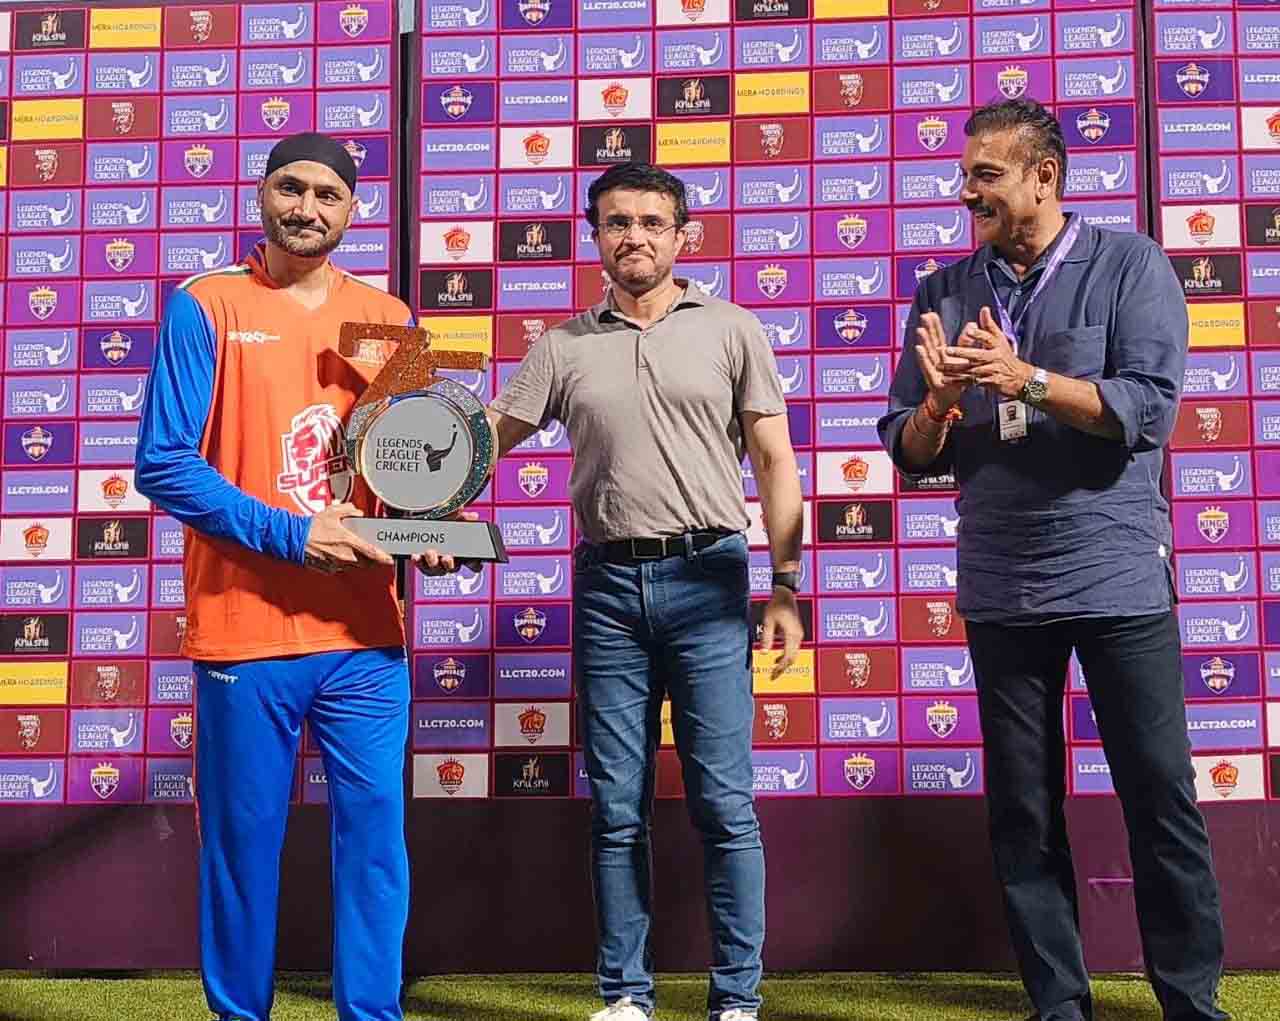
x,y
787,579
1036,389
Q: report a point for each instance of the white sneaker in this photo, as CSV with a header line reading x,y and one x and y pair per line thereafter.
x,y
739,1015
623,1010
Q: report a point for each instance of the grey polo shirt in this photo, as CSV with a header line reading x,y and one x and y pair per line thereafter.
x,y
1062,524
653,414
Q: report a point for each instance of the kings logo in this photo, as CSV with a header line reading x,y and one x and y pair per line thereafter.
x,y
114,490
201,26
1192,79
28,731
693,9
119,254
198,160
1012,81
940,617
1213,523
695,234
852,230
857,669
534,11
533,478
36,442
1093,125
104,778
1217,674
537,146
456,242
46,164
772,137
530,623
777,719
927,268
932,133
35,537
942,718
181,730
275,113
353,20
614,97
123,114
850,325
772,280
533,724
852,88
1225,777
1200,226
855,471
43,302
1209,423
859,771
450,773
115,346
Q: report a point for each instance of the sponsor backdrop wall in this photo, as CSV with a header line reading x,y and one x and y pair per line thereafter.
x,y
819,140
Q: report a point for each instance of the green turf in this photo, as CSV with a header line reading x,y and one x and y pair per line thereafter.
x,y
862,997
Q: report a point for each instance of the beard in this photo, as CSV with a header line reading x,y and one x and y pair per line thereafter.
x,y
637,276
309,244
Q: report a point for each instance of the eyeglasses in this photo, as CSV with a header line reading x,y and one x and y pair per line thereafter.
x,y
620,226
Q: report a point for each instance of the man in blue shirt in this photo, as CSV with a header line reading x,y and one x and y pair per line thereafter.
x,y
1044,370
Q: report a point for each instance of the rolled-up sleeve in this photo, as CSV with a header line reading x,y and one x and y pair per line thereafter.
x,y
1146,351
906,393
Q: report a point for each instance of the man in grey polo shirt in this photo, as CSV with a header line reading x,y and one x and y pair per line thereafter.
x,y
661,388
1045,370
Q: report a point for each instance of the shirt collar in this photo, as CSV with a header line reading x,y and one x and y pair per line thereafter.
x,y
606,311
1080,252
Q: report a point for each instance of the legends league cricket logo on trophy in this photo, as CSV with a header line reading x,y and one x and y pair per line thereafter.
x,y
422,444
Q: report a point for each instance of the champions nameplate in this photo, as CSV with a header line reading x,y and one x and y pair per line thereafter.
x,y
422,444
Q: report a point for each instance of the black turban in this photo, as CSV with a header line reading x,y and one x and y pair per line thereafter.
x,y
311,145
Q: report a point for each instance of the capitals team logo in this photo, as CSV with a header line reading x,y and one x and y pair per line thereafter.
x,y
1213,523
201,26
1200,226
534,11
614,97
449,674
37,442
859,771
181,730
115,346
1225,778
104,778
1217,674
533,479
855,471
35,537
942,718
537,147
450,773
123,116
313,451
852,230
932,133
533,724
114,491
456,242
772,137
1192,79
1093,125
275,113
1012,81
198,160
353,20
772,280
850,325
456,101
43,302
857,669
119,254
530,624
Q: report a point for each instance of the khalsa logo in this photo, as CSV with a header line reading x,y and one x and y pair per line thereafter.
x,y
316,472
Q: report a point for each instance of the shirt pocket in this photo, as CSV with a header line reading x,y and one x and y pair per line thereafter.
x,y
1080,352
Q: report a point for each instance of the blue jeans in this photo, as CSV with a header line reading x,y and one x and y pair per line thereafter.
x,y
677,626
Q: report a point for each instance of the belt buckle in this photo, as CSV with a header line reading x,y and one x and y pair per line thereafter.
x,y
636,554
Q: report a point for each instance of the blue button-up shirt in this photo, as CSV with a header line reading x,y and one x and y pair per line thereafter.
x,y
1061,524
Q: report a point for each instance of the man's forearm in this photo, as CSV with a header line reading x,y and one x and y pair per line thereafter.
x,y
923,437
1078,403
782,503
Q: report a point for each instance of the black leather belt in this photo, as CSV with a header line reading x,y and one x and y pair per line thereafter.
x,y
628,550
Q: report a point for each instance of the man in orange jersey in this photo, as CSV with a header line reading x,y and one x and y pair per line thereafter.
x,y
290,616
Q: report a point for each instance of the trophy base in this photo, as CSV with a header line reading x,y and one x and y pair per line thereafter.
x,y
404,537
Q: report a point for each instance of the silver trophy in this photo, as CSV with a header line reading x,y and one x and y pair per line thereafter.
x,y
422,444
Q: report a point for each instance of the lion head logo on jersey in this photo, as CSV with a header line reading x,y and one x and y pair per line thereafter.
x,y
316,471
